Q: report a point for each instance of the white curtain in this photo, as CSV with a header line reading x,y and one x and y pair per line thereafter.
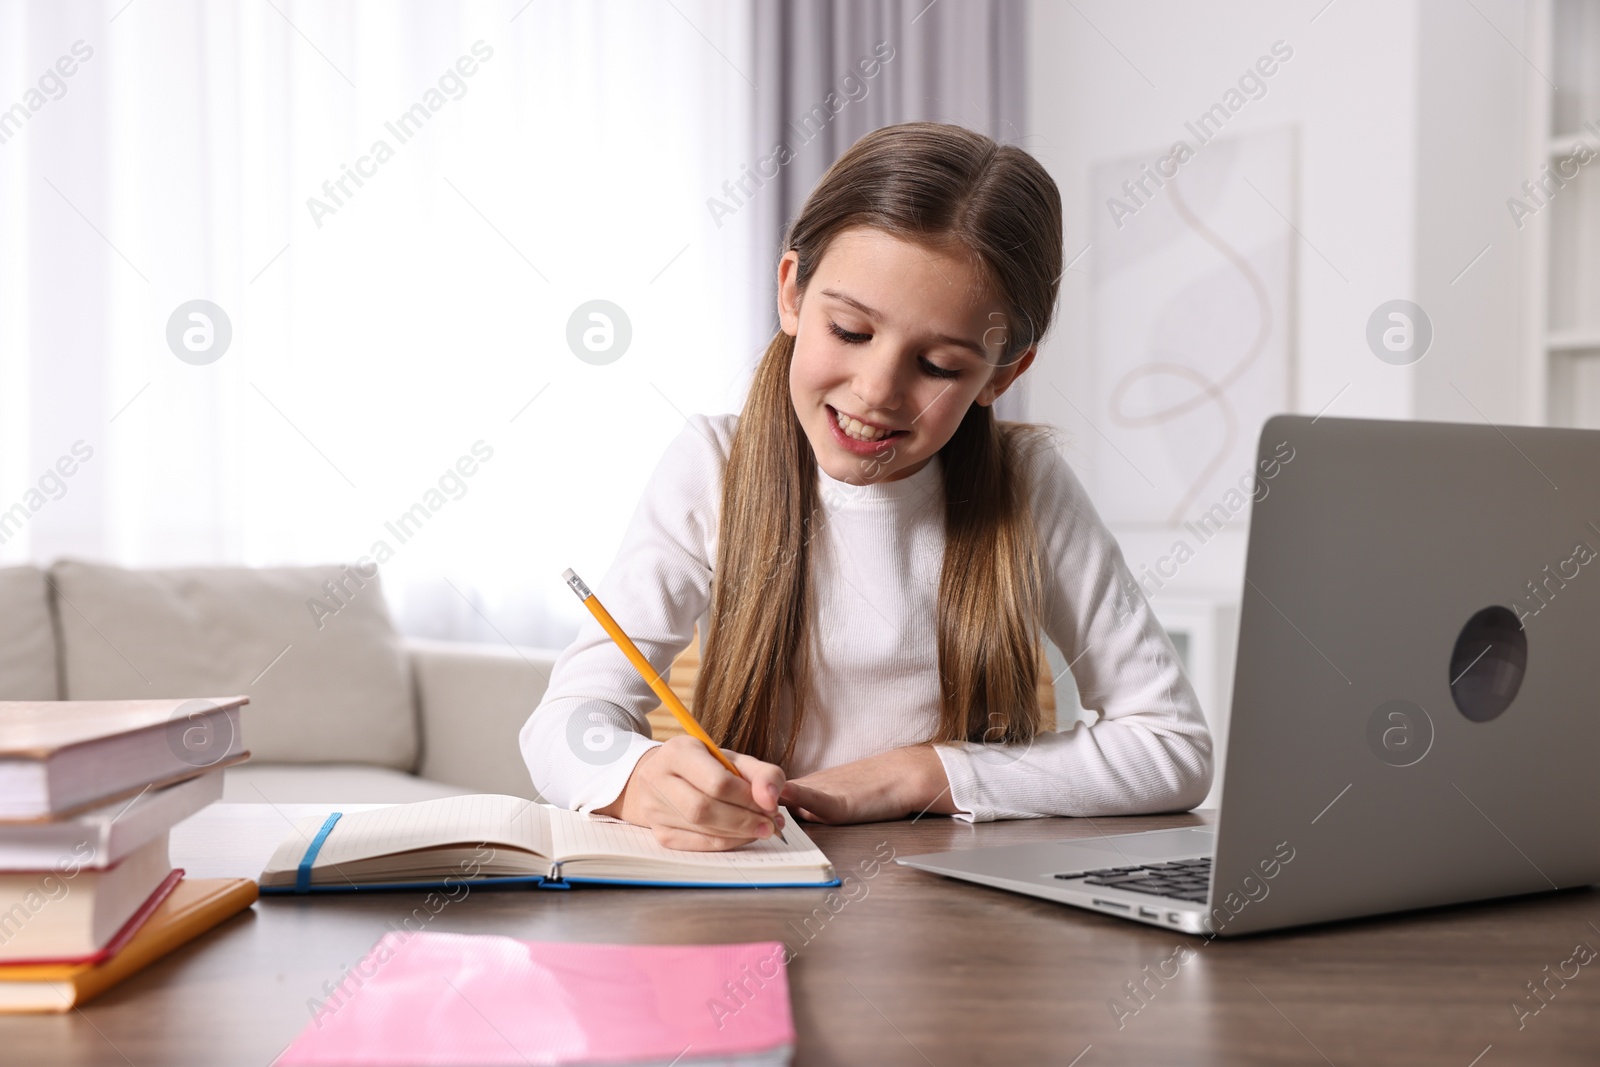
x,y
390,330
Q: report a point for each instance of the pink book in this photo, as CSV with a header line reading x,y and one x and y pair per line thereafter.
x,y
435,998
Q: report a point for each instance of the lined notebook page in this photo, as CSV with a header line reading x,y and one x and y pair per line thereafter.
x,y
573,834
465,820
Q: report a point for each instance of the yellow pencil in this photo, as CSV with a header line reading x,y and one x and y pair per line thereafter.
x,y
629,649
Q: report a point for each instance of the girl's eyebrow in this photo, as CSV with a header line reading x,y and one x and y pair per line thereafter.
x,y
943,338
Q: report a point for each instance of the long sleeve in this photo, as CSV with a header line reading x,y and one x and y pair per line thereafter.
x,y
1150,751
581,743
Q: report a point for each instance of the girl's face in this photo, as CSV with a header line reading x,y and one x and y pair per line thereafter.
x,y
898,337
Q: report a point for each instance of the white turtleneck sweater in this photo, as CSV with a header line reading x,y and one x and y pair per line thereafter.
x,y
875,570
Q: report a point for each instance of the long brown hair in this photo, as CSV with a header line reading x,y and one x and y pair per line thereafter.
x,y
944,187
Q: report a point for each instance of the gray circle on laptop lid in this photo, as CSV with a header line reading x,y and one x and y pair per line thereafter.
x,y
1488,663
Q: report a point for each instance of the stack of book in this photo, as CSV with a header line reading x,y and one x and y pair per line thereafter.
x,y
89,791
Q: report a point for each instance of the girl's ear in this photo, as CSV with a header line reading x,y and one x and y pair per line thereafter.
x,y
789,293
1002,379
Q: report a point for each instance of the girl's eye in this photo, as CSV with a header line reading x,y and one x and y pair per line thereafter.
x,y
931,369
846,336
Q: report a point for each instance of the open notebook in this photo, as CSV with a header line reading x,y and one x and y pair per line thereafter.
x,y
489,837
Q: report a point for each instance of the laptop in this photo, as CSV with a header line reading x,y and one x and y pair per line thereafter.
x,y
1416,699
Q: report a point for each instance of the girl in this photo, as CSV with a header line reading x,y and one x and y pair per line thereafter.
x,y
877,552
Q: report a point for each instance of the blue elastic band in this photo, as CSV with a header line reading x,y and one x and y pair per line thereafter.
x,y
302,876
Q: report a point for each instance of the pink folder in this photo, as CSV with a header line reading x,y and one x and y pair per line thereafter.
x,y
435,998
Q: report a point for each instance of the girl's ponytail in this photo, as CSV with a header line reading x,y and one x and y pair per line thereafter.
x,y
991,588
760,591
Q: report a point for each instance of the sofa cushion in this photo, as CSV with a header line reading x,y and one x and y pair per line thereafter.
x,y
472,700
329,783
27,636
327,678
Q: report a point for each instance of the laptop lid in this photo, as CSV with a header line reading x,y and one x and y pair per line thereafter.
x,y
1416,708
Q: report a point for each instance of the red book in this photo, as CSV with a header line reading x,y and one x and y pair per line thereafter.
x,y
70,912
119,940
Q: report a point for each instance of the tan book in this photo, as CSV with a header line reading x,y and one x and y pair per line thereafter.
x,y
59,757
194,906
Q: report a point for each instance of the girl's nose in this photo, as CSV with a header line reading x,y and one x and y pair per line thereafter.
x,y
877,384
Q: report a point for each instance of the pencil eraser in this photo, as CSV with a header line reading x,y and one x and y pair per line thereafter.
x,y
576,584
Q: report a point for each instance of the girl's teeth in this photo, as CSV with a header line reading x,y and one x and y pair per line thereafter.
x,y
857,430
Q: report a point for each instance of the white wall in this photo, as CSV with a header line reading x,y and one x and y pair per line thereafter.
x,y
1409,119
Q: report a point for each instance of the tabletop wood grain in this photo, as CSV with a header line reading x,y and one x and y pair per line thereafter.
x,y
904,967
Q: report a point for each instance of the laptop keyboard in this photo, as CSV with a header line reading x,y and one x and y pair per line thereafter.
x,y
1180,879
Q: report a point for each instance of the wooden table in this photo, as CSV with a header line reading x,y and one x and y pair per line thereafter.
x,y
915,969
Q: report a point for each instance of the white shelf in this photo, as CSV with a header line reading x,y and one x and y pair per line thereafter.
x,y
1573,341
1564,276
1563,146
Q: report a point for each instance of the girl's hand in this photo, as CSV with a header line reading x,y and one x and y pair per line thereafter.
x,y
890,785
690,801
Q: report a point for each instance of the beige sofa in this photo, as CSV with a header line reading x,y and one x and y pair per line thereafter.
x,y
342,708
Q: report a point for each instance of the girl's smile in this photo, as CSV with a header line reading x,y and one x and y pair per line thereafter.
x,y
859,436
